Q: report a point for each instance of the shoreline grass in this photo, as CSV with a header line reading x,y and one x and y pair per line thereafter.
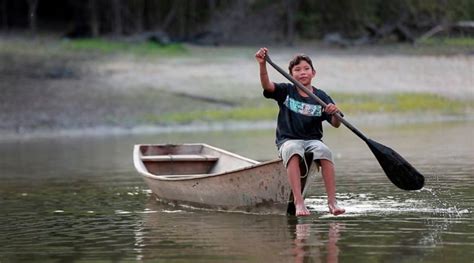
x,y
110,46
350,104
106,46
448,41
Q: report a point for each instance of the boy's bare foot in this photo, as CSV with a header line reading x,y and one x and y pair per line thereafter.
x,y
301,210
335,210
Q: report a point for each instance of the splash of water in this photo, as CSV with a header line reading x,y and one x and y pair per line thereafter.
x,y
367,203
446,207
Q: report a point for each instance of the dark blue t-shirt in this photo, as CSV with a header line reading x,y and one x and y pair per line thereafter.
x,y
299,118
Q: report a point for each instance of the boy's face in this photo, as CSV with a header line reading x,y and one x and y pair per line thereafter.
x,y
303,73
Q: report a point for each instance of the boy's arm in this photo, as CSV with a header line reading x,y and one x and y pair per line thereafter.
x,y
265,80
267,85
332,110
335,122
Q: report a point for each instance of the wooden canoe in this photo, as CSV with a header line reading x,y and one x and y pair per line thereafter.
x,y
204,176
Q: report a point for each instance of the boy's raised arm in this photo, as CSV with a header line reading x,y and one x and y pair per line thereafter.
x,y
264,79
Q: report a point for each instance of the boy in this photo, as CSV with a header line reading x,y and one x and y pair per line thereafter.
x,y
299,126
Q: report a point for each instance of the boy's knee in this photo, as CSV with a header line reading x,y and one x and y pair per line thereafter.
x,y
328,154
291,150
294,158
321,151
325,162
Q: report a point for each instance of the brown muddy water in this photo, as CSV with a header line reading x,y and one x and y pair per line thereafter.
x,y
73,199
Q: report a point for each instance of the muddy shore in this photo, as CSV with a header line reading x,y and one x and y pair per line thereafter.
x,y
47,89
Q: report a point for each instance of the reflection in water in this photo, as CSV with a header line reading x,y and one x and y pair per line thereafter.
x,y
329,253
197,235
209,236
302,233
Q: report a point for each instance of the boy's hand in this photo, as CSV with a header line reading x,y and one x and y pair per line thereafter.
x,y
260,55
331,109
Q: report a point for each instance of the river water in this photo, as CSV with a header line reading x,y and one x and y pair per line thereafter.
x,y
73,199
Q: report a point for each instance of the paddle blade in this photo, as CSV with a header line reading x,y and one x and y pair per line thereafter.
x,y
397,169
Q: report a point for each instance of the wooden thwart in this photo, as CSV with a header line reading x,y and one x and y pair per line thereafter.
x,y
178,158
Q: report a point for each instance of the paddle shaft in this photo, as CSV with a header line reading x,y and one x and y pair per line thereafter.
x,y
316,98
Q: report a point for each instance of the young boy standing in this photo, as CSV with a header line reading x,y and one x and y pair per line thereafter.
x,y
299,126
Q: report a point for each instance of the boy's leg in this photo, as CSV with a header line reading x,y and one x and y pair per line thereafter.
x,y
294,177
327,168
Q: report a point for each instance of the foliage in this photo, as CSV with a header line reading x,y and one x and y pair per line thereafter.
x,y
187,20
351,18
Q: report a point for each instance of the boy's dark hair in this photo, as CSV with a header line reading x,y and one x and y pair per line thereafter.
x,y
297,59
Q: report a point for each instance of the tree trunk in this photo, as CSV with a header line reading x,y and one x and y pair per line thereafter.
x,y
117,26
32,8
192,14
170,17
4,14
212,7
139,14
291,7
241,7
182,21
94,18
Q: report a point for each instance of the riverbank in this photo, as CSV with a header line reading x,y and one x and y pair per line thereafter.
x,y
53,86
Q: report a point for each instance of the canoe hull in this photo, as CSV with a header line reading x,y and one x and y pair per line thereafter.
x,y
262,188
233,183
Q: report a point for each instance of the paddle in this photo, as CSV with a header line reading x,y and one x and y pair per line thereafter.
x,y
398,170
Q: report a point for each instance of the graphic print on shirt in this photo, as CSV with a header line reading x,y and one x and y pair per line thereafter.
x,y
303,108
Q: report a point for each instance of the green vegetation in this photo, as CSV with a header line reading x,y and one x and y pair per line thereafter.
x,y
109,46
449,41
400,103
351,104
235,114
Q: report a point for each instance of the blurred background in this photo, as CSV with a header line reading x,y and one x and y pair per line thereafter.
x,y
76,65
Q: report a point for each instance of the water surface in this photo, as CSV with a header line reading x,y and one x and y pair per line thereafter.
x,y
80,199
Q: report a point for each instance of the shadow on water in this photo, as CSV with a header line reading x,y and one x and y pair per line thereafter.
x,y
80,199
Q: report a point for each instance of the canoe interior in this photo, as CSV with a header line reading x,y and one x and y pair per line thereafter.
x,y
190,159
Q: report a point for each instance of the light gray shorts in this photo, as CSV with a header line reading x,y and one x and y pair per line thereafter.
x,y
318,149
